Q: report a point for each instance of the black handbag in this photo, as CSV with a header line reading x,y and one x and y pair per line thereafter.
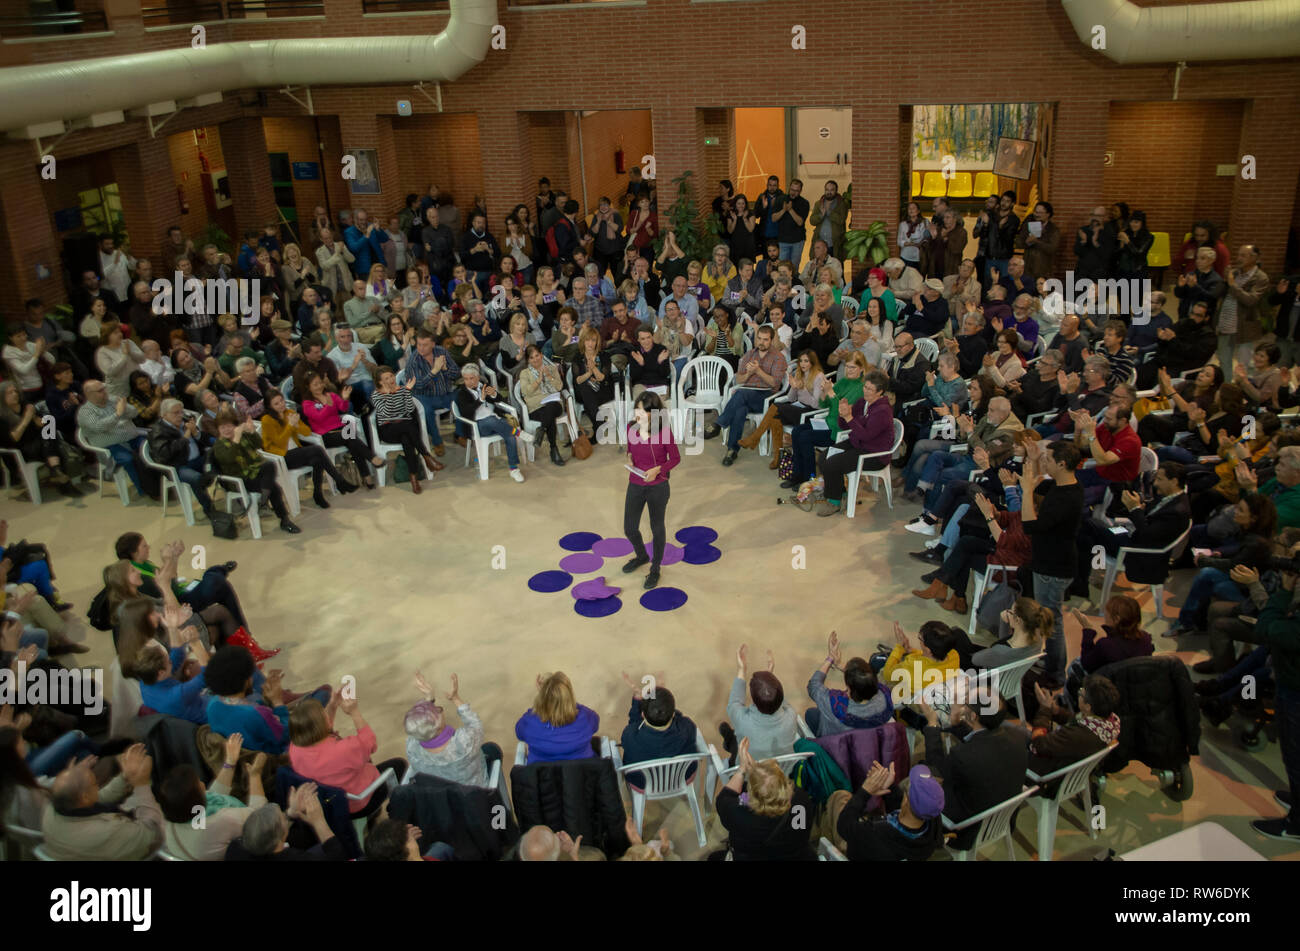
x,y
223,524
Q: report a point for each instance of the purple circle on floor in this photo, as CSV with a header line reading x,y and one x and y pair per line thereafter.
x,y
581,562
612,547
549,581
672,553
593,590
702,554
696,535
603,607
663,599
579,541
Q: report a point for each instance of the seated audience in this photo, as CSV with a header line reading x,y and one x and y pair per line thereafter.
x,y
861,706
760,824
557,727
182,796
317,752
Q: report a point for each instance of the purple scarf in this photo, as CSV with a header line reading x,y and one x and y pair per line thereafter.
x,y
440,740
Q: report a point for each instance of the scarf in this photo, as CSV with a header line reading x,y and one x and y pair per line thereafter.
x,y
441,739
1106,730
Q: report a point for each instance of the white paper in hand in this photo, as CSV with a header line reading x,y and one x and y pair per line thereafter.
x,y
639,473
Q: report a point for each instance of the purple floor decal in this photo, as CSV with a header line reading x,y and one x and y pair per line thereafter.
x,y
663,599
696,535
612,547
581,562
702,554
603,607
593,590
672,553
580,541
549,581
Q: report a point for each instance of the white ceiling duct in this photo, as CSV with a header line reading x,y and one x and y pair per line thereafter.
x,y
32,95
1246,30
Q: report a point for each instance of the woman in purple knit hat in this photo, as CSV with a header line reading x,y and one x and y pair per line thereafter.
x,y
652,454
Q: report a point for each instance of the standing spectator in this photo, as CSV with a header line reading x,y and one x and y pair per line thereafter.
x,y
1041,239
1247,285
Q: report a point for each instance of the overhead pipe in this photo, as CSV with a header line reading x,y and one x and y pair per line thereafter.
x,y
1245,30
33,95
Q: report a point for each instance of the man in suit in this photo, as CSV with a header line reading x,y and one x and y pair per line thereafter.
x,y
1155,524
985,766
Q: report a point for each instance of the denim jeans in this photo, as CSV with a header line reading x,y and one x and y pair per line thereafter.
x,y
1050,593
947,468
921,453
496,426
1175,454
1227,344
362,390
430,403
732,418
50,760
952,531
194,479
792,252
124,455
1208,583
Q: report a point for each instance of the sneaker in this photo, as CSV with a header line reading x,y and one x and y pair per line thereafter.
x,y
652,579
930,556
635,563
921,527
934,543
1276,829
730,457
1283,798
516,475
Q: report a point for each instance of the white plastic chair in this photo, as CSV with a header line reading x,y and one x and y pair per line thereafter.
x,y
994,823
24,840
107,464
1115,565
170,482
286,477
614,407
1008,678
884,476
665,779
928,348
386,778
712,378
41,854
479,444
981,579
1074,782
385,449
826,852
722,773
236,490
30,472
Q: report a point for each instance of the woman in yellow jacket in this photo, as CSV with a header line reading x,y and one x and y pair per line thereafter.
x,y
284,434
911,666
719,271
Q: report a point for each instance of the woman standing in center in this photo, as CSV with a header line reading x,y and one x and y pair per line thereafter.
x,y
652,453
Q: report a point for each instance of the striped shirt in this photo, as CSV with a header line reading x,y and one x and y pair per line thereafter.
x,y
392,407
428,383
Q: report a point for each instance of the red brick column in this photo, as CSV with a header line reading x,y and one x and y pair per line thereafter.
x,y
243,142
1076,184
507,163
150,204
27,224
1260,208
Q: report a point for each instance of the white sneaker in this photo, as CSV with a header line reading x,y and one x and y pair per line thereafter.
x,y
516,475
525,435
921,527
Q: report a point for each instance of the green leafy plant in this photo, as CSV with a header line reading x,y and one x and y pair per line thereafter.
x,y
869,245
684,220
213,234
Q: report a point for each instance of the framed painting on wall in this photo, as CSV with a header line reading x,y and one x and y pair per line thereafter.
x,y
367,168
1014,159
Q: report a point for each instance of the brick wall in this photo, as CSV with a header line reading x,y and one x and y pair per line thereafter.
x,y
188,173
602,134
297,137
438,149
1170,174
679,87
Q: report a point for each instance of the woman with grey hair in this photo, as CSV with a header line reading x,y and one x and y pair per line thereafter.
x,y
251,388
434,748
266,832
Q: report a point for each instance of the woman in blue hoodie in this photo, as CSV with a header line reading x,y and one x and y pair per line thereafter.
x,y
557,727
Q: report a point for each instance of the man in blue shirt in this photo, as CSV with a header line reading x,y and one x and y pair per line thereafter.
x,y
363,239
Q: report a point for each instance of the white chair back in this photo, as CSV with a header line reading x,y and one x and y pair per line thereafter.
x,y
928,348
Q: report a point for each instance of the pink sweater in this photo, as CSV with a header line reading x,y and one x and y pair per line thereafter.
x,y
344,763
327,416
659,450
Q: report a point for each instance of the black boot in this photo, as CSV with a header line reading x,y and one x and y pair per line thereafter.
x,y
319,498
635,563
555,455
288,526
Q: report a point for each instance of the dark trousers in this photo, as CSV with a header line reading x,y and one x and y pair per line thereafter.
x,y
835,469
268,486
212,589
1287,706
546,415
805,441
1092,534
302,456
361,453
378,797
406,433
654,497
971,551
592,400
192,477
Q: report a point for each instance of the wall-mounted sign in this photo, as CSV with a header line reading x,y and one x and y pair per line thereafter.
x,y
306,171
824,132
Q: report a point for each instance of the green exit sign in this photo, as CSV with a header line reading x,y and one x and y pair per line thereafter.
x,y
710,140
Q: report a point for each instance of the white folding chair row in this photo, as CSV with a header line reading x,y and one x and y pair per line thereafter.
x,y
29,472
722,773
981,580
993,823
289,479
667,779
1074,781
1115,564
106,463
826,852
170,482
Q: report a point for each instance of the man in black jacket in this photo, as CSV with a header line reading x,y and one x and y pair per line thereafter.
x,y
908,832
1039,391
439,248
970,345
173,442
1094,247
907,370
1287,322
1155,524
1203,284
1190,344
483,408
655,729
985,766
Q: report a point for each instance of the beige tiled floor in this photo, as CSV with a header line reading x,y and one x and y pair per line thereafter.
x,y
385,583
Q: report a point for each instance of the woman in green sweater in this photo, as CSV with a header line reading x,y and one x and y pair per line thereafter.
x,y
823,431
238,453
877,286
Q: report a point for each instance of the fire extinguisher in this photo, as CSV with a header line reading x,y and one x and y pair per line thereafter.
x,y
619,165
180,197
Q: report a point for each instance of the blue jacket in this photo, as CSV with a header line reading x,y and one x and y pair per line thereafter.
x,y
265,730
185,700
549,744
642,742
367,251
